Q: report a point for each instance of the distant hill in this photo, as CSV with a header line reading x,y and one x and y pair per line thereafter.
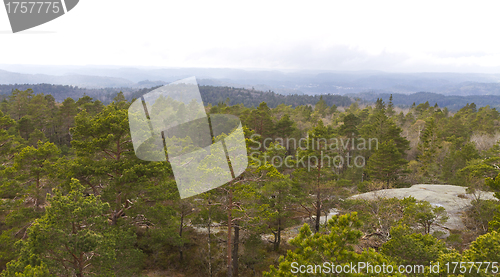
x,y
452,102
252,98
7,77
210,95
61,92
283,82
473,88
249,98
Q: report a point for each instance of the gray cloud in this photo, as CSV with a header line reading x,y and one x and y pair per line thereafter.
x,y
340,57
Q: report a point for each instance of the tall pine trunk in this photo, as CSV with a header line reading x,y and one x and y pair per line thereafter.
x,y
318,197
229,231
235,249
181,250
209,242
277,239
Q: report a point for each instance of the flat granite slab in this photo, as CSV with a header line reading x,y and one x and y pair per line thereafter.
x,y
453,198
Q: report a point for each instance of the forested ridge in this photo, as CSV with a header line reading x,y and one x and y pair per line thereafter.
x,y
61,92
76,201
452,102
252,97
210,95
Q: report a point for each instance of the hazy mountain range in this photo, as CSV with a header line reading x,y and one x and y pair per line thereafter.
x,y
298,82
446,89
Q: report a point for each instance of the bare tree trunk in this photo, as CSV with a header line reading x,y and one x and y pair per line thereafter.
x,y
38,192
318,200
115,214
229,243
235,249
181,253
209,246
318,214
78,265
278,235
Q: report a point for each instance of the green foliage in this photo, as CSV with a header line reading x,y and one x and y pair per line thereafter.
x,y
484,248
335,246
379,126
407,247
480,216
260,120
285,127
252,98
455,161
7,140
106,161
38,270
134,205
349,128
318,172
494,184
321,106
25,183
423,215
74,237
481,259
386,163
428,148
276,208
33,167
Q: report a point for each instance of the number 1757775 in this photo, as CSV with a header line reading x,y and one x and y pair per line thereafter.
x,y
33,7
469,267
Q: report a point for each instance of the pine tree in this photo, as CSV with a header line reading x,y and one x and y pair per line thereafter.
x,y
428,147
321,106
390,107
350,126
316,158
261,122
336,246
18,102
380,127
106,160
285,127
277,207
66,120
33,167
74,238
386,163
411,248
379,104
333,109
6,140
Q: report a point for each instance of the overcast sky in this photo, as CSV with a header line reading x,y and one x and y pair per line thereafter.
x,y
347,35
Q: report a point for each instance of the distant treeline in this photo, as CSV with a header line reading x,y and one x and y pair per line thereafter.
x,y
210,95
451,102
252,98
61,92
